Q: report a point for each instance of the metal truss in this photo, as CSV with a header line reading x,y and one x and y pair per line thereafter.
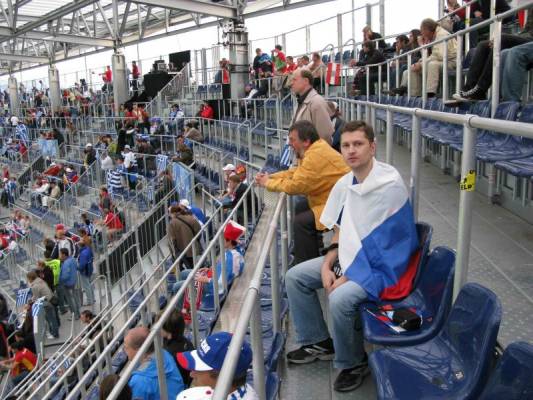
x,y
68,29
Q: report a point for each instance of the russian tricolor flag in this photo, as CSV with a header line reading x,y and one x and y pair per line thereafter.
x,y
377,230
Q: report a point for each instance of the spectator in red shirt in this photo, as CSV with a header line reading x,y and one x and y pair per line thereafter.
x,y
135,74
21,364
291,65
112,223
280,61
108,75
206,111
5,172
53,170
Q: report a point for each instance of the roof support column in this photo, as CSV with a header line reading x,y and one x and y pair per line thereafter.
x,y
54,89
120,80
13,95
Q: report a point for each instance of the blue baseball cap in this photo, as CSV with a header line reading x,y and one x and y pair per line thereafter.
x,y
211,354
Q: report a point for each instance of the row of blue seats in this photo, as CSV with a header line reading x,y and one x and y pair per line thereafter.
x,y
273,164
207,177
514,154
450,355
212,88
339,57
243,154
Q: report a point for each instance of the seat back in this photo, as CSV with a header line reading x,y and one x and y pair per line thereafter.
x,y
481,108
511,379
471,330
436,283
406,283
526,115
507,111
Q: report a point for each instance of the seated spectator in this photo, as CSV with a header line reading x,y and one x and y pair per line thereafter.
x,y
369,35
106,162
28,341
319,168
116,178
369,259
431,32
144,382
105,199
108,384
54,196
89,157
130,163
227,171
196,211
175,342
192,132
165,185
112,224
338,123
40,288
291,65
53,169
480,11
176,119
182,228
21,364
234,267
206,363
479,76
206,111
185,154
370,55
518,62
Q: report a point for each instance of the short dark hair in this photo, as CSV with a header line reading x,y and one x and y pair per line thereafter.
x,y
402,38
306,131
108,384
175,325
306,58
369,45
87,314
17,345
306,74
64,251
278,47
353,126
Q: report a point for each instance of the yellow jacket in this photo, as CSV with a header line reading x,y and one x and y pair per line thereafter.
x,y
320,168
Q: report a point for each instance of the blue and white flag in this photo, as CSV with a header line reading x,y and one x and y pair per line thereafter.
x,y
161,161
37,305
377,228
23,295
286,157
21,133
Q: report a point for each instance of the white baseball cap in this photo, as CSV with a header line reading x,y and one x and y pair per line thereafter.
x,y
89,145
229,167
196,393
184,203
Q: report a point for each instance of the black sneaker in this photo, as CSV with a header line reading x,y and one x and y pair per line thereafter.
x,y
307,354
350,379
470,95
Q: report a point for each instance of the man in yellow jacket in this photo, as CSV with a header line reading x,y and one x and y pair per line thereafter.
x,y
319,167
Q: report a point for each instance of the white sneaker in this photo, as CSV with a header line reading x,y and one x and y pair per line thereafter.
x,y
50,336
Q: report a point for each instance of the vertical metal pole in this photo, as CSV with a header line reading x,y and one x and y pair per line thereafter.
x,y
441,8
409,75
274,274
223,271
381,18
467,25
258,363
215,278
459,65
389,138
353,21
161,377
492,14
497,42
464,229
445,73
367,70
414,182
194,312
388,76
339,33
398,72
284,241
368,15
359,112
424,76
307,39
379,82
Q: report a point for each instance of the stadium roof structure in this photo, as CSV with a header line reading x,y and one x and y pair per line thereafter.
x,y
41,32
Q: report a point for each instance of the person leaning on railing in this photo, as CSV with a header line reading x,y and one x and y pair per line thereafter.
x,y
319,167
370,55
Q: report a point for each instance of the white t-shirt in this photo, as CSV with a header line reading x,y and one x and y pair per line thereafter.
x,y
243,393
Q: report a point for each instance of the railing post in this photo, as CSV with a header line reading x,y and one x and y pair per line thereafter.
x,y
339,33
284,241
275,282
467,25
459,65
466,195
389,137
161,376
258,363
445,73
408,75
414,182
381,18
496,47
424,77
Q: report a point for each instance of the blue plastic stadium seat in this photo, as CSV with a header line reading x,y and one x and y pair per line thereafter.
x,y
272,358
512,377
346,56
452,365
272,386
431,298
325,58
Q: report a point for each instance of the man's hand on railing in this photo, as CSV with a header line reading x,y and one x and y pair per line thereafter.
x,y
261,179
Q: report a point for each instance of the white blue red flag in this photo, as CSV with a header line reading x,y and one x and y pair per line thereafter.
x,y
377,228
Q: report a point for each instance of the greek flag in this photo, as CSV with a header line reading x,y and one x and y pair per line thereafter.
x,y
286,156
150,193
114,180
377,230
37,305
20,318
21,133
23,295
161,161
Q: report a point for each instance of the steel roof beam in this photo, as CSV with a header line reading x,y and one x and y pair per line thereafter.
x,y
23,57
62,37
199,7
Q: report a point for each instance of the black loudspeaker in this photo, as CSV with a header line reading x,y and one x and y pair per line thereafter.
x,y
180,58
226,91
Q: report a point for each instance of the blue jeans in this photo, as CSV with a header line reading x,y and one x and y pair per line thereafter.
x,y
515,70
302,283
87,287
69,297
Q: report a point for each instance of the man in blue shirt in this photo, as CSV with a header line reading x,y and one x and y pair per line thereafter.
x,y
68,277
144,381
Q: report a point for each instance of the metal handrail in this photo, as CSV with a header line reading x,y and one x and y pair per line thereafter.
x,y
154,332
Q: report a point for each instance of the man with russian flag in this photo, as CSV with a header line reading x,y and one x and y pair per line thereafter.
x,y
374,238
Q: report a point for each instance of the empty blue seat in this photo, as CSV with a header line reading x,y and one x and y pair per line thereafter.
x,y
431,298
325,58
346,56
272,386
452,365
511,379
